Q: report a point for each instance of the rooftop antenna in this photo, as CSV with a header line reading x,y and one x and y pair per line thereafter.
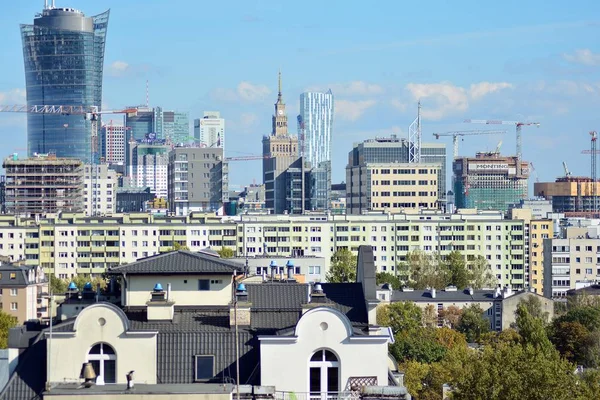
x,y
147,93
414,138
45,4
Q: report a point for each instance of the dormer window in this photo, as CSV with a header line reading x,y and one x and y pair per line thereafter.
x,y
204,367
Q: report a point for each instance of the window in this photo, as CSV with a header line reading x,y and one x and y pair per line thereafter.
x,y
203,284
204,367
104,361
324,376
13,306
13,292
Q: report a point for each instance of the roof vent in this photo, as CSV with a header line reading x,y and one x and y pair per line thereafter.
x,y
469,290
158,287
273,266
450,288
386,286
290,271
241,289
158,294
72,286
408,289
497,293
317,289
432,292
88,291
87,286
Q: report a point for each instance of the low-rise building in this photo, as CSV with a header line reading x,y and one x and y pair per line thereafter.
x,y
498,305
23,292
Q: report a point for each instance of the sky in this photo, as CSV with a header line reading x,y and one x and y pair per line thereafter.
x,y
535,61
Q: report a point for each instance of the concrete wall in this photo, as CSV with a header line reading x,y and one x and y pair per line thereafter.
x,y
184,289
104,323
509,306
285,364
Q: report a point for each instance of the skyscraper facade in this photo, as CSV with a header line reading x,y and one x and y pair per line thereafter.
x,y
209,131
314,126
112,143
63,53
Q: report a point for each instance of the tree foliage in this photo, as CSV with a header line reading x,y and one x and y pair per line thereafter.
x,y
451,316
7,321
57,285
386,277
225,252
481,275
400,316
342,268
178,246
456,270
81,279
472,323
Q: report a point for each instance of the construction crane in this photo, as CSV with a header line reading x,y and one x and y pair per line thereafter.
x,y
566,168
246,158
519,126
90,113
537,178
456,134
593,152
414,138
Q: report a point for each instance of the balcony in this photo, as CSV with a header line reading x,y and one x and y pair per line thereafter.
x,y
317,396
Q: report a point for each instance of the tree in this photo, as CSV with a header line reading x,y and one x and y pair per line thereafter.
x,y
225,252
430,317
451,316
81,279
386,277
531,329
400,316
420,345
422,270
57,285
570,339
456,270
7,321
481,275
342,268
472,323
533,305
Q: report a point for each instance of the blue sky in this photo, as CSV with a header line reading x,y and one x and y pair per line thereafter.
x,y
512,60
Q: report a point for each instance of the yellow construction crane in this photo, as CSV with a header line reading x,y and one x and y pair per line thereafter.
x,y
456,134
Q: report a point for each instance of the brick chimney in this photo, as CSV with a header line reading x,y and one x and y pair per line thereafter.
x,y
239,310
160,307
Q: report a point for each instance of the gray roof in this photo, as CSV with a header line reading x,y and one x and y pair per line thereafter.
x,y
21,275
443,296
593,290
73,389
179,262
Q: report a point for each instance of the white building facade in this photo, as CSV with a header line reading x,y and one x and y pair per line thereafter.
x,y
100,190
209,131
113,138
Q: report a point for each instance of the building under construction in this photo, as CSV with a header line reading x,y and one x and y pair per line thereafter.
x,y
43,184
489,181
572,195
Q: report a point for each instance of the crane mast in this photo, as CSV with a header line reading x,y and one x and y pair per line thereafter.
x,y
456,134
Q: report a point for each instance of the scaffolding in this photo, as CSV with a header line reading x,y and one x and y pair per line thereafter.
x,y
43,184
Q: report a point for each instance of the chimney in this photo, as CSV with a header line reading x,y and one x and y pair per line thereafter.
x,y
240,309
507,292
273,266
497,293
160,307
470,291
264,275
432,292
316,297
290,271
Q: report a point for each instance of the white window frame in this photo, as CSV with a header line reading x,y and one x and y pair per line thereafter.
x,y
102,357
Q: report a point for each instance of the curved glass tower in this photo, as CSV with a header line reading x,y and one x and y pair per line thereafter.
x,y
64,56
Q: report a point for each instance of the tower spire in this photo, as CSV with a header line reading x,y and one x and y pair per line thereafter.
x,y
279,96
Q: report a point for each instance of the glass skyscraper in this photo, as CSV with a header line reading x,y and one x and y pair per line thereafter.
x,y
63,54
314,126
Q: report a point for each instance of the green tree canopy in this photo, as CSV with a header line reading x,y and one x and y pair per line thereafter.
x,y
81,279
226,252
481,275
386,277
456,270
400,316
342,268
7,321
472,323
57,285
178,246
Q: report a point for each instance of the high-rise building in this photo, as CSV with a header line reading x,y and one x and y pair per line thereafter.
x,y
315,122
572,195
43,184
209,130
198,180
489,181
174,126
112,143
149,160
394,150
100,190
63,53
280,150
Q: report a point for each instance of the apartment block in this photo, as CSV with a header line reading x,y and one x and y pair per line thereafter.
x,y
148,165
23,292
391,187
100,190
72,243
198,179
571,261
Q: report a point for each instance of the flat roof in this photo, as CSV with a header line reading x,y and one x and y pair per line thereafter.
x,y
76,389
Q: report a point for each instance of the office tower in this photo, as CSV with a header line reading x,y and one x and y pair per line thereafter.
x,y
149,159
572,195
280,150
100,190
314,126
198,180
43,184
112,143
63,54
489,181
387,152
209,130
173,126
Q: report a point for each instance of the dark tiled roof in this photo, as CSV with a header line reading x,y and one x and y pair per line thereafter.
x,y
443,296
277,296
21,275
179,262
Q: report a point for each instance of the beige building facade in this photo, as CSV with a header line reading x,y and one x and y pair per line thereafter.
x,y
23,292
391,187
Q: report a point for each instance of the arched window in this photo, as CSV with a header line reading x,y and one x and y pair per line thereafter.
x,y
324,375
104,360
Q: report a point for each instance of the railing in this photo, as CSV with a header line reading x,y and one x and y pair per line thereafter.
x,y
317,395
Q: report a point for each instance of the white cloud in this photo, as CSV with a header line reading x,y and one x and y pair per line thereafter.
x,y
354,88
583,56
245,92
248,119
439,99
399,105
118,68
352,110
481,89
13,96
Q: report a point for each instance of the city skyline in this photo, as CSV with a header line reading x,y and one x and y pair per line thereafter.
x,y
471,67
